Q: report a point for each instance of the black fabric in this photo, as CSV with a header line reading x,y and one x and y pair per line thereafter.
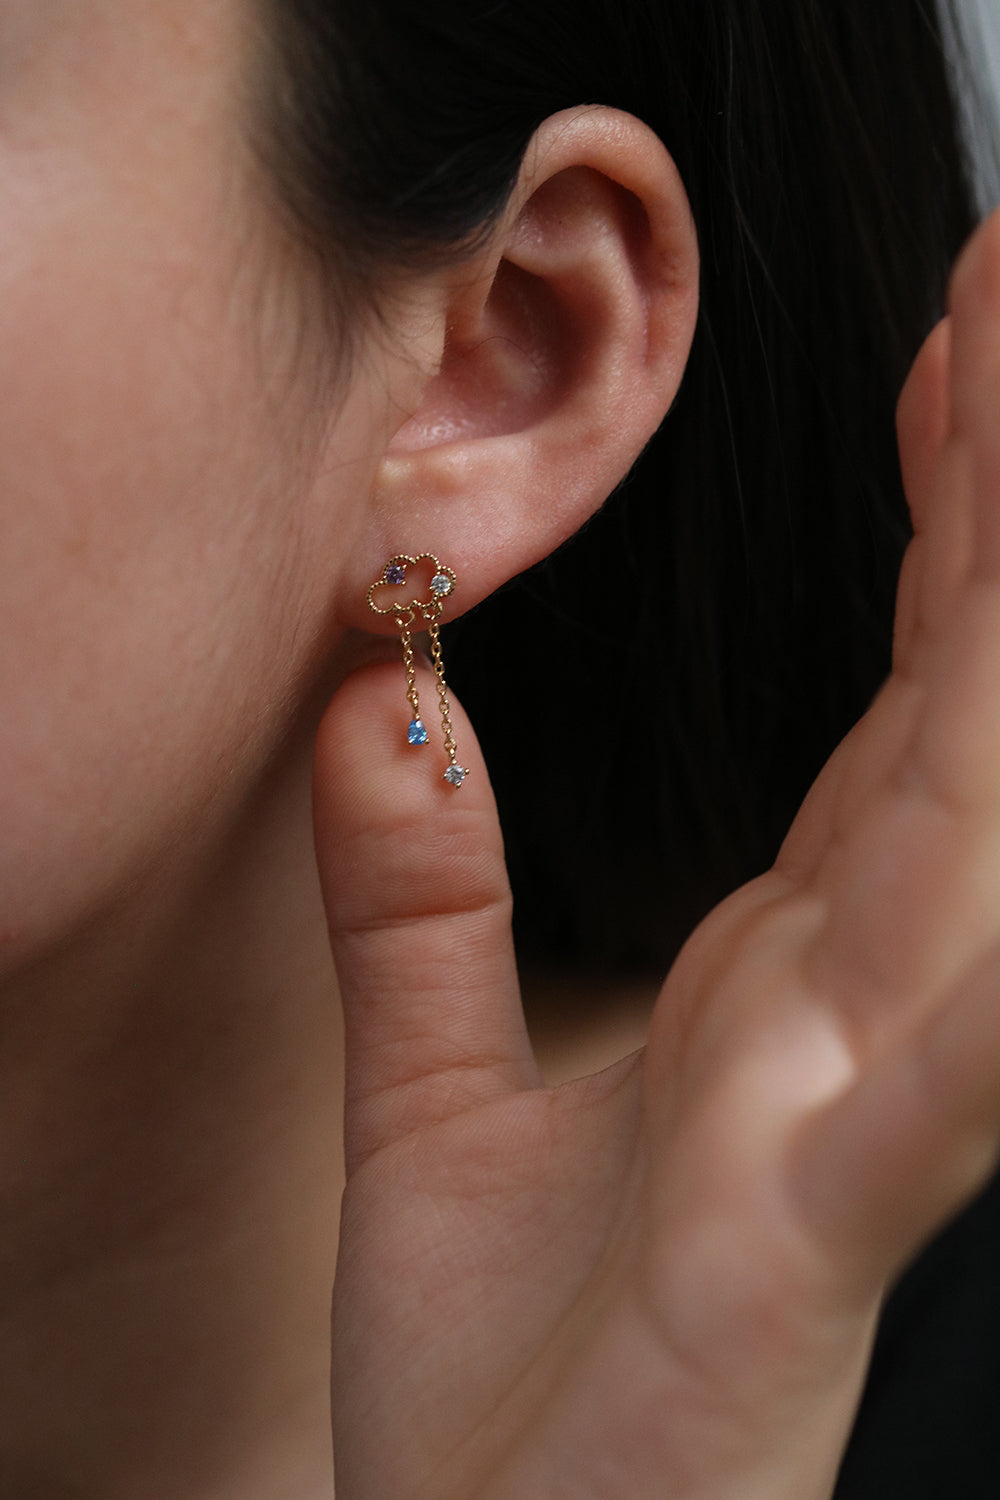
x,y
929,1423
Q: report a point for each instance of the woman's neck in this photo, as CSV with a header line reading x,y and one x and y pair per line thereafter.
x,y
170,1177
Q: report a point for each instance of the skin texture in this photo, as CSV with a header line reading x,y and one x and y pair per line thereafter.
x,y
662,1279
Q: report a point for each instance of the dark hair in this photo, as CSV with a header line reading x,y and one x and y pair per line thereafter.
x,y
648,753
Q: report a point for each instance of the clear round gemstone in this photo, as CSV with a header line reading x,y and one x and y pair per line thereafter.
x,y
441,585
455,775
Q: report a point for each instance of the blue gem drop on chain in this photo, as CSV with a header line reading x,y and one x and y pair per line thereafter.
x,y
442,584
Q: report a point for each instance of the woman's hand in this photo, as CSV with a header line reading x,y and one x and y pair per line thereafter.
x,y
663,1280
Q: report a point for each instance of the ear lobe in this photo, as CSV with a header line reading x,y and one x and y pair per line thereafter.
x,y
563,346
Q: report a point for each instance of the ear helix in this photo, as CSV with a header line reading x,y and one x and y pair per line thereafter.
x,y
429,611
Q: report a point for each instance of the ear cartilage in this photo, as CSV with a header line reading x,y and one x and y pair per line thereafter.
x,y
429,610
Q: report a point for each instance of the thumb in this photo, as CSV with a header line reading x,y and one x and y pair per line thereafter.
x,y
419,909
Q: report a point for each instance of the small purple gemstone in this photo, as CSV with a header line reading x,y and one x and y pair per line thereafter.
x,y
395,574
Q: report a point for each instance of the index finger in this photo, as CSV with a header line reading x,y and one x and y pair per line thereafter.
x,y
419,909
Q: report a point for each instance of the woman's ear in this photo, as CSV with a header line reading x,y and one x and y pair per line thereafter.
x,y
558,349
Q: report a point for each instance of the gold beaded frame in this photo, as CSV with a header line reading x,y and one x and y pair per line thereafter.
x,y
402,561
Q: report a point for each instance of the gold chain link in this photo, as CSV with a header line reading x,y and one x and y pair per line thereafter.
x,y
442,687
404,620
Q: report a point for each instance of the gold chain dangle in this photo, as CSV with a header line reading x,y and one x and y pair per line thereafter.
x,y
442,585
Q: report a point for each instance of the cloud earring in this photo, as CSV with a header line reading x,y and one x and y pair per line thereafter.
x,y
428,609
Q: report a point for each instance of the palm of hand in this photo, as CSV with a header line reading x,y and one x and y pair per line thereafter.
x,y
664,1279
